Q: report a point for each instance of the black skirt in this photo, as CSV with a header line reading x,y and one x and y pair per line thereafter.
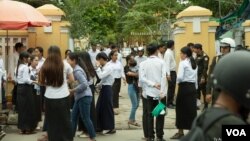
x,y
104,109
26,112
116,90
58,119
38,105
185,105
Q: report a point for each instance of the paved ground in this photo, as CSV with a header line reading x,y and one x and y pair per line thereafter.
x,y
123,132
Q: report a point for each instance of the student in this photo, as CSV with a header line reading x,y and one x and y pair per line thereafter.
x,y
154,86
104,105
36,88
232,106
82,94
186,96
53,75
92,75
131,72
26,112
118,74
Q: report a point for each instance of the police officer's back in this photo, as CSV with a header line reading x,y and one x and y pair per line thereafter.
x,y
233,104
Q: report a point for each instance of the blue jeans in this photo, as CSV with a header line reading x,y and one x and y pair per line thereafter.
x,y
82,107
134,98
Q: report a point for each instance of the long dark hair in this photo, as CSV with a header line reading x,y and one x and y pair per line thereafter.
x,y
186,50
79,61
87,61
52,71
22,56
111,54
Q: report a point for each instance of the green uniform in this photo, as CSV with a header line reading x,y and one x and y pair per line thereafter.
x,y
209,86
215,131
202,61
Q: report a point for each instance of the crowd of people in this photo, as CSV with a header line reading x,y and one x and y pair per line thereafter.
x,y
64,88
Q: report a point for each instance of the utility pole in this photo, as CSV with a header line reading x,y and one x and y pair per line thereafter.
x,y
220,8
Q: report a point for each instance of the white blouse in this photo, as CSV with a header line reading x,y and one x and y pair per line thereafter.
x,y
105,74
186,73
118,70
23,76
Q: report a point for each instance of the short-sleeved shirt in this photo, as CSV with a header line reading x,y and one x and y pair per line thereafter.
x,y
63,91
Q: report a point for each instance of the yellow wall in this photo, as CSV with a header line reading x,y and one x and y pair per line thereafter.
x,y
246,25
45,40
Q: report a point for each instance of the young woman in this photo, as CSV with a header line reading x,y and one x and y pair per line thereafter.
x,y
53,75
27,121
131,72
82,94
104,106
118,73
92,74
186,96
36,88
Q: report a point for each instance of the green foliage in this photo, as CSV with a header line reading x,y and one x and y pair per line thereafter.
x,y
149,15
92,18
227,6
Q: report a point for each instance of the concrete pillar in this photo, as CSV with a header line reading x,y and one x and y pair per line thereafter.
x,y
246,26
193,25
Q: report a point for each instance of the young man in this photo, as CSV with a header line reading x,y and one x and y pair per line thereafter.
x,y
154,86
39,54
140,58
171,73
233,103
93,53
161,50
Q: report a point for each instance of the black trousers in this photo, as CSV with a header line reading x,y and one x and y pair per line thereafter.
x,y
144,117
171,87
57,115
151,104
202,90
116,90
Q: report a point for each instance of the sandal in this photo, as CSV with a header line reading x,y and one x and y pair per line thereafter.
x,y
134,124
177,136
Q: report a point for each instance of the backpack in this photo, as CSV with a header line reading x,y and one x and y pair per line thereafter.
x,y
202,123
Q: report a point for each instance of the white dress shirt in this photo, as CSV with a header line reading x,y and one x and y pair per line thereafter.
x,y
62,91
140,82
105,74
119,57
107,51
170,61
151,72
93,55
139,59
186,73
118,70
40,63
23,76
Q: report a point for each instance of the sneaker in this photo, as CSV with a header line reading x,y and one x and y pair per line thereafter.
x,y
83,135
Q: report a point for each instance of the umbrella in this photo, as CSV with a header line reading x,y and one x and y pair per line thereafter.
x,y
16,15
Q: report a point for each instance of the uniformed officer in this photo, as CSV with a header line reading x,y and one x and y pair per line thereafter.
x,y
202,61
225,47
233,104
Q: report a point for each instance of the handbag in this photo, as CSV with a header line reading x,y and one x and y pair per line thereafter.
x,y
159,110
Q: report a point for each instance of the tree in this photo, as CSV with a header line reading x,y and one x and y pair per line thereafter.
x,y
149,16
219,8
95,19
